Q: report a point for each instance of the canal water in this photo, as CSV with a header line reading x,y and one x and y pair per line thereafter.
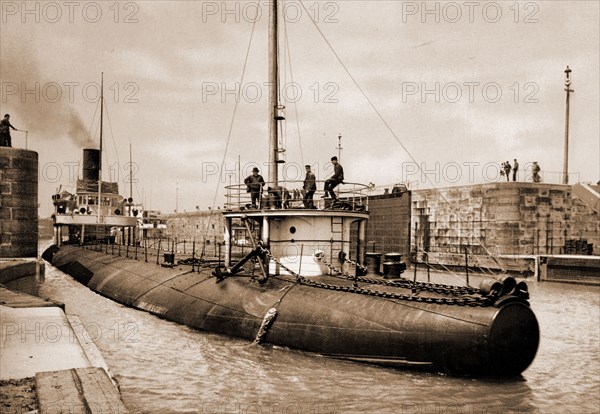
x,y
163,367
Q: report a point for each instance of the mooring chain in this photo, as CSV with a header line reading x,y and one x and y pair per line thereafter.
x,y
416,286
424,286
361,267
330,266
481,301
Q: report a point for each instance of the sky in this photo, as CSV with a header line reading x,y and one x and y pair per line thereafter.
x,y
434,94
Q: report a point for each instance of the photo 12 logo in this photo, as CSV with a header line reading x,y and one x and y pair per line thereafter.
x,y
253,92
69,11
467,172
53,172
469,12
466,408
455,92
53,92
276,407
253,12
291,172
53,332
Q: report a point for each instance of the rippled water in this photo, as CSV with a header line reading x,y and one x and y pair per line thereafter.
x,y
163,367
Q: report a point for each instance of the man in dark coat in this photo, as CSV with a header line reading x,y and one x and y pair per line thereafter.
x,y
337,178
536,172
5,125
254,184
515,169
506,167
309,188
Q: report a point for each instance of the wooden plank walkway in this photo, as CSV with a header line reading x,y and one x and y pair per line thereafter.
x,y
15,299
78,390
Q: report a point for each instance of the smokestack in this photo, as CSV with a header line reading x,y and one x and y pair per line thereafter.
x,y
91,164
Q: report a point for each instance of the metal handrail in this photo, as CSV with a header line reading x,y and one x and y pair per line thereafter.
x,y
237,196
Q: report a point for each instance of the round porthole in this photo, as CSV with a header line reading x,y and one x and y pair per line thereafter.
x,y
292,229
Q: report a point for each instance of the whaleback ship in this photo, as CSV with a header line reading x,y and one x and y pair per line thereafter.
x,y
303,284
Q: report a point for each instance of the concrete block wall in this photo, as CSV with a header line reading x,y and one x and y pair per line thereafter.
x,y
502,219
197,225
18,202
497,223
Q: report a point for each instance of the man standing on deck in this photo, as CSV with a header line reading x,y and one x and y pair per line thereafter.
x,y
337,178
5,125
309,188
515,169
254,184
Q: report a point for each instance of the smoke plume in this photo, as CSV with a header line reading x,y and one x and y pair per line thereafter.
x,y
40,105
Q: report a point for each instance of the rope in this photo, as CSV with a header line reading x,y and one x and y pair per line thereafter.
x,y
292,80
493,258
389,128
446,268
235,108
484,269
112,136
361,90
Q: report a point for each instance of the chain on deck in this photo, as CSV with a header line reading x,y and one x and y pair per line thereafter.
x,y
416,287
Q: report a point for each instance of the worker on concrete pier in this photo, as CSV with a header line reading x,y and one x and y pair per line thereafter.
x,y
506,167
515,168
5,125
536,172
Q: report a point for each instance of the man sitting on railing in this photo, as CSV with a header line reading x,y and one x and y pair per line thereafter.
x,y
337,178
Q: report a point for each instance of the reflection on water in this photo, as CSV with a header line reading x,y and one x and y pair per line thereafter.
x,y
165,367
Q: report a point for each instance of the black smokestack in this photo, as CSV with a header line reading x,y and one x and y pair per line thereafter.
x,y
91,164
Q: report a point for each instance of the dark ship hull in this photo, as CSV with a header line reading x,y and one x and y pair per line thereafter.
x,y
448,332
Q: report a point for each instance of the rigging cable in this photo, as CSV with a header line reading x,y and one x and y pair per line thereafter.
x,y
208,222
359,88
381,116
289,58
114,143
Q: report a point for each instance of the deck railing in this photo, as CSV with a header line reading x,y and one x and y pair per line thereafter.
x,y
290,195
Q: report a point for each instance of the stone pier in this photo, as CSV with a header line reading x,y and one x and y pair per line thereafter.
x,y
501,225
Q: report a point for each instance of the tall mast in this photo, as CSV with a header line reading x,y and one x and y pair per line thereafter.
x,y
273,96
130,173
100,155
566,150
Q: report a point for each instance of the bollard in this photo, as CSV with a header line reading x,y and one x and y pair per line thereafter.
x,y
488,286
508,285
373,262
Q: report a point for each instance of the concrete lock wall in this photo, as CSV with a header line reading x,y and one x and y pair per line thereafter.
x,y
499,224
506,220
197,224
18,202
202,230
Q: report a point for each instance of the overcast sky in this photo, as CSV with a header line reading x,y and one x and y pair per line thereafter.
x,y
457,87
